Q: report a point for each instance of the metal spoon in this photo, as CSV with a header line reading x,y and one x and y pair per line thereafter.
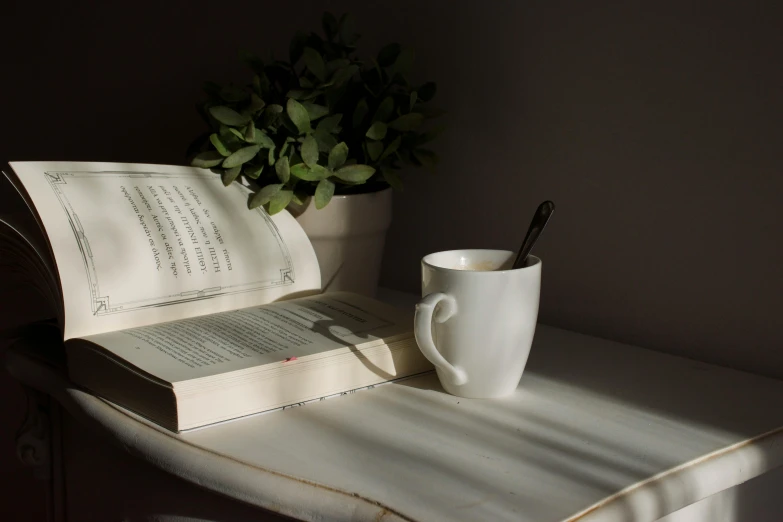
x,y
540,219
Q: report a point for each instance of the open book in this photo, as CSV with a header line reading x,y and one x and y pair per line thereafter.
x,y
180,304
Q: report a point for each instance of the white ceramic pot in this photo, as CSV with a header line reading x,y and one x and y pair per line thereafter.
x,y
348,236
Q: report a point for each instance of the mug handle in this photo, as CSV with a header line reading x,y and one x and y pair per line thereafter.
x,y
422,329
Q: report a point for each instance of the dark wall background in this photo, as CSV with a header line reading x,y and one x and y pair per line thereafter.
x,y
655,128
657,131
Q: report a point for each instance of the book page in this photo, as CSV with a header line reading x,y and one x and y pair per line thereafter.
x,y
29,226
240,339
30,291
142,244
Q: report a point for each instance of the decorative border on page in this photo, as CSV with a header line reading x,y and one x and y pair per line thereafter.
x,y
105,304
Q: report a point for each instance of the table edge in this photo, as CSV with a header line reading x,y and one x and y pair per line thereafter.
x,y
308,500
214,471
759,455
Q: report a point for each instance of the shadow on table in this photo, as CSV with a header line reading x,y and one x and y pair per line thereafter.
x,y
106,483
608,416
324,327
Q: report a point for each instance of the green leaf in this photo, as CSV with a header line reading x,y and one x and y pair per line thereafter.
x,y
224,131
340,76
207,159
215,139
296,94
427,91
275,108
263,196
310,95
226,136
392,148
369,89
256,103
252,171
338,155
384,110
261,138
334,96
230,175
241,156
320,171
360,112
335,64
389,54
426,157
323,193
305,83
329,23
233,94
282,169
230,140
253,61
271,156
307,173
329,123
414,96
265,86
347,28
314,62
407,122
377,131
228,116
310,151
286,122
404,61
296,47
315,111
374,149
270,117
236,133
299,197
326,141
279,201
250,132
298,115
355,173
392,179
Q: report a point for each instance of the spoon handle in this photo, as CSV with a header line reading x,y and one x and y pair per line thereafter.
x,y
540,219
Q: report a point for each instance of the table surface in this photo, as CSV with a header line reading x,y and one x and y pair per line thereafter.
x,y
596,430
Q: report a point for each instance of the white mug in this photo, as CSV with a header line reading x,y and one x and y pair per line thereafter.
x,y
484,319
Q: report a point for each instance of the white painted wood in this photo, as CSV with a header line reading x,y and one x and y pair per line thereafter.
x,y
596,431
131,490
757,500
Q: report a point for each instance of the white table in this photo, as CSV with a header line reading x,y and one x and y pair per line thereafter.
x,y
597,431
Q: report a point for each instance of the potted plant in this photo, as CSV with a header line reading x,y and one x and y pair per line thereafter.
x,y
323,134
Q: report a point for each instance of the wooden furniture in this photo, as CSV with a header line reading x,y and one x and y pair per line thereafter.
x,y
597,431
